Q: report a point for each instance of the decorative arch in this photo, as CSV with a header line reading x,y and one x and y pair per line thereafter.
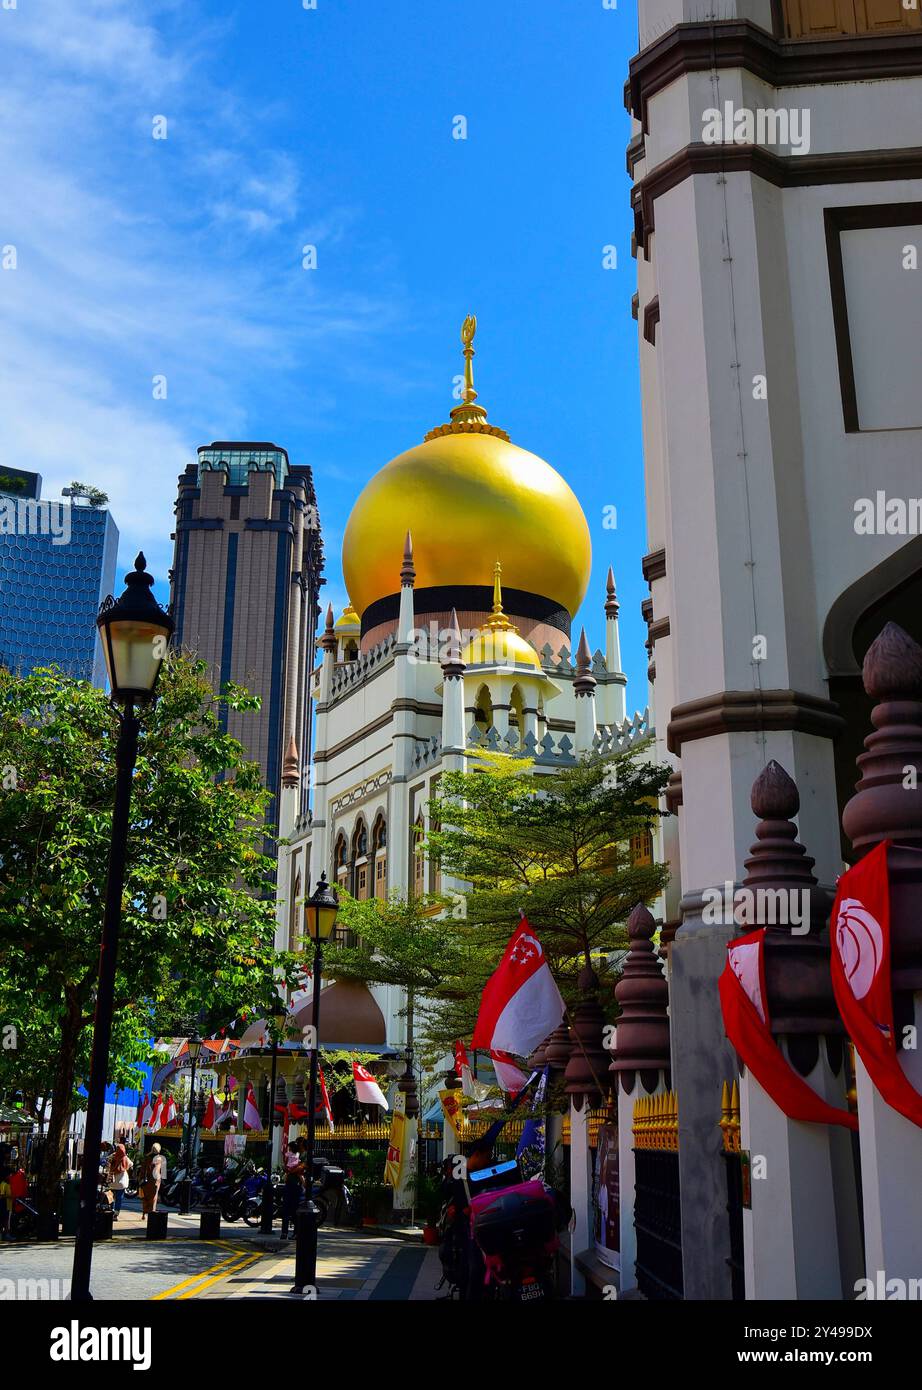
x,y
379,856
360,860
293,932
341,860
483,715
419,856
517,711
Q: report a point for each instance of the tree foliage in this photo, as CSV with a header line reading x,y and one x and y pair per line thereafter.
x,y
198,923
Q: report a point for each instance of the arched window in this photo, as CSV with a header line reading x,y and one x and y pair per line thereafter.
x,y
516,712
360,860
350,650
341,861
293,943
483,716
379,857
419,857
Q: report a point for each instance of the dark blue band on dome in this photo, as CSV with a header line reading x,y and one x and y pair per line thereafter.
x,y
468,598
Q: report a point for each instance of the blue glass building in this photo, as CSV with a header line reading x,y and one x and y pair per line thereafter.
x,y
57,564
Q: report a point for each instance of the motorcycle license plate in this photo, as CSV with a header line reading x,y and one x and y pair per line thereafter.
x,y
529,1292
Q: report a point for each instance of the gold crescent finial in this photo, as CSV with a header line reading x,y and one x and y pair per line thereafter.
x,y
468,329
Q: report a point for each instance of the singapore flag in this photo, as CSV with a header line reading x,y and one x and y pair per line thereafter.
x,y
521,1003
367,1089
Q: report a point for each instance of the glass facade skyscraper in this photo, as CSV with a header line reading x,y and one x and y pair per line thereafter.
x,y
57,564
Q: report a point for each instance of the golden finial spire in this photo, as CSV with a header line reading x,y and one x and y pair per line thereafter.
x,y
468,417
497,588
468,329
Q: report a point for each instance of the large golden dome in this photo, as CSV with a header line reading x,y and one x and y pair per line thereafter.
x,y
468,496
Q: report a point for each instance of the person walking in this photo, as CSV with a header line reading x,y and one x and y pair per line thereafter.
x,y
117,1171
294,1184
153,1174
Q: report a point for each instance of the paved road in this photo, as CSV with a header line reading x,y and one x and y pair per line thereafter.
x,y
242,1264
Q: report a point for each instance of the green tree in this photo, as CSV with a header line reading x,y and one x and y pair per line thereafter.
x,y
198,923
556,847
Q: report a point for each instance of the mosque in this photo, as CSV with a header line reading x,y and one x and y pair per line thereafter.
x,y
465,560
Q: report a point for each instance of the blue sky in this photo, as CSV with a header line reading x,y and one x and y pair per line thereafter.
x,y
182,257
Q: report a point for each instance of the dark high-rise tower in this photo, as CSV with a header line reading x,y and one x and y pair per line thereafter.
x,y
246,574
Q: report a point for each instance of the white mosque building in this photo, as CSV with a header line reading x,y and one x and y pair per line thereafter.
x,y
465,559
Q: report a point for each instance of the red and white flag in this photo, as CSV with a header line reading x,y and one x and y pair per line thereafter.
x,y
521,1003
168,1111
143,1107
154,1121
860,939
470,1086
325,1100
208,1119
744,1002
251,1116
366,1087
509,1075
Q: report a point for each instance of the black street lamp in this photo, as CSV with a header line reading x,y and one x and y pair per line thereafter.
x,y
320,912
276,1023
194,1046
135,634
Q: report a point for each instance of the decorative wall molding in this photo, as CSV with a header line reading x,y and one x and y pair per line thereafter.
x,y
738,43
750,711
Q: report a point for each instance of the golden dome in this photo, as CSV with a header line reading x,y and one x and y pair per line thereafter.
x,y
465,493
348,621
499,642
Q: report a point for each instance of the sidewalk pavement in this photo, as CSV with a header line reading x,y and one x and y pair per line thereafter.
x,y
350,1265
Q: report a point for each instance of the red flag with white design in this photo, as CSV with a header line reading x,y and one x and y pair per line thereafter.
x,y
508,1073
744,1002
470,1086
325,1100
860,932
251,1116
208,1119
168,1111
521,1003
366,1087
154,1121
142,1107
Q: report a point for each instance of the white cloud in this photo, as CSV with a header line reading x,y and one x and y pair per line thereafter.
x,y
139,257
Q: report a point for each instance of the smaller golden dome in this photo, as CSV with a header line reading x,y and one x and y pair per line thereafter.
x,y
349,621
499,642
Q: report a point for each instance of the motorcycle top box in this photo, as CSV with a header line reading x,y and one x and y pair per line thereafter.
x,y
513,1218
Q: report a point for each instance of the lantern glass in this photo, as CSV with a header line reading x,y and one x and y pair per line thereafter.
x,y
134,654
194,1045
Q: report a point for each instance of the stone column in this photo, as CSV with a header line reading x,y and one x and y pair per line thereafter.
x,y
888,805
641,1066
801,1235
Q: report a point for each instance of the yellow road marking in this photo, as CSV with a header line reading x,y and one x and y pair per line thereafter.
x,y
251,1259
168,1293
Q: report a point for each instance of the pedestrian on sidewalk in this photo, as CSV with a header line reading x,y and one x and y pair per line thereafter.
x,y
294,1183
153,1174
117,1170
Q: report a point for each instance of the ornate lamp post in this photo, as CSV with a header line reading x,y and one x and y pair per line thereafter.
x,y
320,912
277,1023
135,633
194,1046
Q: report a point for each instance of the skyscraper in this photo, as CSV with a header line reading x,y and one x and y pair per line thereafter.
x,y
57,563
247,568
